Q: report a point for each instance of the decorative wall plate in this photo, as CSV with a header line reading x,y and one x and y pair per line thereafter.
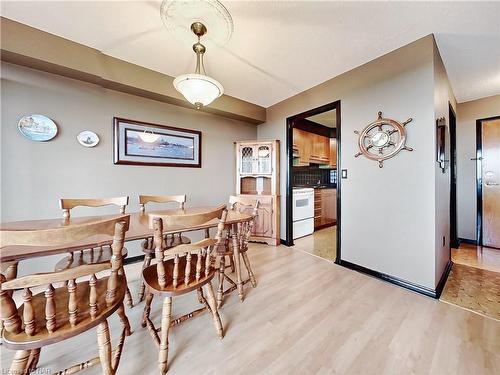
x,y
37,128
382,139
88,138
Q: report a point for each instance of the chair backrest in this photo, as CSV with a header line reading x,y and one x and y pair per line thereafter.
x,y
143,199
68,203
203,250
244,205
61,237
241,204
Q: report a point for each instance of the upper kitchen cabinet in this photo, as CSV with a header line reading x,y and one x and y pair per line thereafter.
x,y
333,153
310,148
321,149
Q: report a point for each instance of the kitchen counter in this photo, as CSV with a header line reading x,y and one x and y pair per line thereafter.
x,y
325,186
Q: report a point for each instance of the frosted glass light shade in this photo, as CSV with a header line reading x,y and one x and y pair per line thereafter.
x,y
198,89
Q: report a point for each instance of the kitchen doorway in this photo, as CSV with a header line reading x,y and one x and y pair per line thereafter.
x,y
313,182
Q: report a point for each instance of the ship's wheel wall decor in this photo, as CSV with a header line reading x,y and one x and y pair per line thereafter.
x,y
382,139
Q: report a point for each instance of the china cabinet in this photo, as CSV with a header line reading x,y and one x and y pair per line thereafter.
x,y
257,177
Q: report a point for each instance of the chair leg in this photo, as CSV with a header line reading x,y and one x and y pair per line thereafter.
x,y
231,262
147,308
201,298
166,316
19,364
220,290
215,312
249,269
128,295
104,342
33,360
237,262
124,320
147,263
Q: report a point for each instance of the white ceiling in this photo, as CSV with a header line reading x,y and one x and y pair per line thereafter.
x,y
280,48
328,118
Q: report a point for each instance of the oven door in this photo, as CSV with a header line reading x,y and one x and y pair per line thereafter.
x,y
303,206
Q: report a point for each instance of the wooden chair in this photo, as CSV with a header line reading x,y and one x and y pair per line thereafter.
x,y
102,254
245,205
190,267
62,312
171,240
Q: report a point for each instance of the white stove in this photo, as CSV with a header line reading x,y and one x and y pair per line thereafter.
x,y
303,212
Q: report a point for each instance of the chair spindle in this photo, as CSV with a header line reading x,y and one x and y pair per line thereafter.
x,y
72,303
28,312
50,309
93,296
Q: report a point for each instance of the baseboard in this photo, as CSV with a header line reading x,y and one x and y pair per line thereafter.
x,y
136,259
467,241
442,280
433,293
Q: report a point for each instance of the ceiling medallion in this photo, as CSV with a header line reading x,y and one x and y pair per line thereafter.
x,y
198,88
179,15
382,139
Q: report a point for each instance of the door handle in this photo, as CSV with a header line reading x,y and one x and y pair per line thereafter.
x,y
476,159
492,184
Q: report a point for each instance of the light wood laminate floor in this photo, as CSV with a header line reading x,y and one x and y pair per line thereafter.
x,y
306,316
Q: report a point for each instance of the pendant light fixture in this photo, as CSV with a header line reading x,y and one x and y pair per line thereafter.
x,y
198,88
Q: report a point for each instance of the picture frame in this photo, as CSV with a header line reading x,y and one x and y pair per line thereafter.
x,y
143,143
441,143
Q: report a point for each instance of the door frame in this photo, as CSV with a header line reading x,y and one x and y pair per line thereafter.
x,y
479,177
453,176
289,172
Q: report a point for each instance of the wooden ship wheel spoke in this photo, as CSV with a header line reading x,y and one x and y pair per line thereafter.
x,y
379,145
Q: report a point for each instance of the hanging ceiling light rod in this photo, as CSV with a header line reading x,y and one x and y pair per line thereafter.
x,y
198,88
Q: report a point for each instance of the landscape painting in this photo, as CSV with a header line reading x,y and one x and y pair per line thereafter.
x,y
150,144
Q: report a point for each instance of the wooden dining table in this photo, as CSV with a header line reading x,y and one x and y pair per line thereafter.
x,y
140,227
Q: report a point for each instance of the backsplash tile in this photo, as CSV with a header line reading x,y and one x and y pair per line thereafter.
x,y
303,176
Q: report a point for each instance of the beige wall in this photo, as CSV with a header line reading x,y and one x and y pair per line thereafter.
x,y
388,214
36,174
467,114
443,96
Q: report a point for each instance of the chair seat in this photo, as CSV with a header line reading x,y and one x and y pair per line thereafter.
x,y
171,242
21,341
150,277
89,256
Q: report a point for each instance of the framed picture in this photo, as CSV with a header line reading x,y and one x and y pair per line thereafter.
x,y
441,143
87,138
38,128
143,143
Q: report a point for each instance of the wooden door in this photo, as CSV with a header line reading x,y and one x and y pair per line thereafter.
x,y
490,165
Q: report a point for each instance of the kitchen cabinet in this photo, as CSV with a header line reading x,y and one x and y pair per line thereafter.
x,y
321,149
333,153
325,208
311,148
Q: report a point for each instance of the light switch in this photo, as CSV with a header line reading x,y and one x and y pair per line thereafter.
x,y
344,173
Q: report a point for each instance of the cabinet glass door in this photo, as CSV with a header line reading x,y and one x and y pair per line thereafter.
x,y
247,158
264,159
